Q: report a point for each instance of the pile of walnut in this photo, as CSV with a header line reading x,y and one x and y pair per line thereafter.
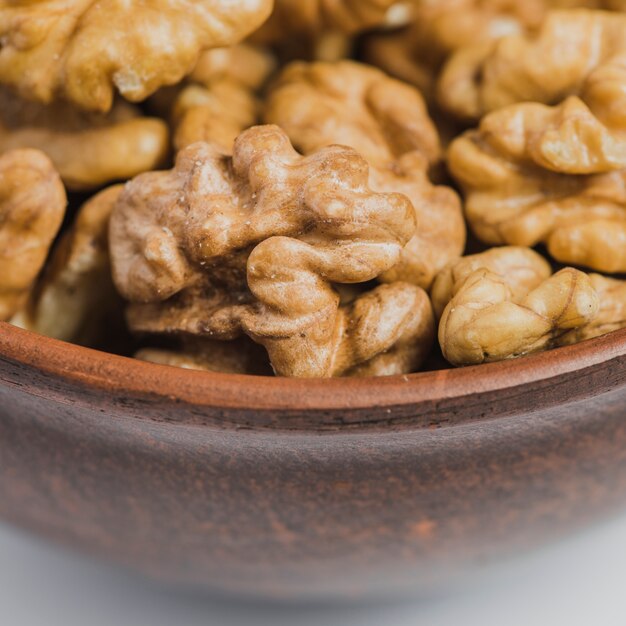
x,y
283,186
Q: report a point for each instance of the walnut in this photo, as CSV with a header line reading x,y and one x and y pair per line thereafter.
x,y
439,28
441,233
484,322
611,315
221,100
539,174
579,52
363,345
319,104
252,244
32,205
312,17
75,299
240,356
87,149
523,268
348,103
326,30
244,64
216,115
83,50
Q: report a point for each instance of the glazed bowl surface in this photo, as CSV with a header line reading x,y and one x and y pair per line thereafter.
x,y
307,489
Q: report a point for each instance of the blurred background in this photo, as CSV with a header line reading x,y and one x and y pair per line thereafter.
x,y
577,582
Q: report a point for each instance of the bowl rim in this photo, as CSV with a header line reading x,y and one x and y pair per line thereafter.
x,y
116,374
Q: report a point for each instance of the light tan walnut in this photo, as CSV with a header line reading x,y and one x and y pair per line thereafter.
x,y
484,322
221,100
32,205
253,243
75,299
85,50
523,268
611,315
320,104
532,173
87,149
240,356
577,52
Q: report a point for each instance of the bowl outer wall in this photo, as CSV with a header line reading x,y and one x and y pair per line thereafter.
x,y
308,488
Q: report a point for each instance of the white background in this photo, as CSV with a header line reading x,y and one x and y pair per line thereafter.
x,y
581,581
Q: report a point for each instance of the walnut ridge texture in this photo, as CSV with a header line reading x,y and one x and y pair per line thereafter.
x,y
286,186
220,246
572,52
550,170
85,50
484,322
319,104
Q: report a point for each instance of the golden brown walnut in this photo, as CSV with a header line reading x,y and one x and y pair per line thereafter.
x,y
319,104
240,356
484,322
611,315
578,52
32,205
222,100
84,50
523,268
440,27
326,30
253,243
313,17
352,104
87,149
533,173
75,299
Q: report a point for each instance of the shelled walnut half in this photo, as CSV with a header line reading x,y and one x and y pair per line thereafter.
x,y
486,321
32,205
88,150
575,52
252,243
75,299
439,28
84,51
555,175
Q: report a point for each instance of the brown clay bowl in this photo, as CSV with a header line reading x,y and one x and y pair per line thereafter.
x,y
305,489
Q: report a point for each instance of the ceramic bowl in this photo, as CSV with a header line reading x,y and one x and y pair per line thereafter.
x,y
308,488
